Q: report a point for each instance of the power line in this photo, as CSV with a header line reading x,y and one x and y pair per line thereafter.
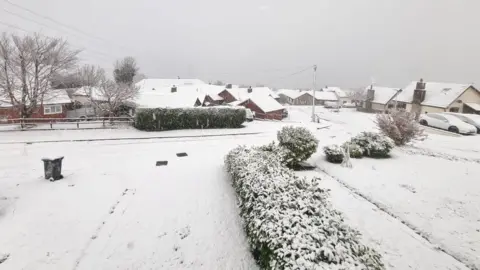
x,y
62,24
290,75
82,49
53,20
39,23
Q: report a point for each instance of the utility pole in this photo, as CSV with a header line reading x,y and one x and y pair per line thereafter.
x,y
314,86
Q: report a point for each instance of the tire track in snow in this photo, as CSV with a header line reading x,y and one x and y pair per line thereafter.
x,y
100,227
414,150
412,227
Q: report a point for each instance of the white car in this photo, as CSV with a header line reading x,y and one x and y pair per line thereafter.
x,y
472,119
447,122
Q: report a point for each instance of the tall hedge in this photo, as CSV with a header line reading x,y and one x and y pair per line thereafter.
x,y
189,118
289,221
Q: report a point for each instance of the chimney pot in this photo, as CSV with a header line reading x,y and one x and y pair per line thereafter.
x,y
249,89
174,89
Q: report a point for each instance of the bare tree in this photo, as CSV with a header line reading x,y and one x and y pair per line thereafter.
x,y
107,96
357,96
125,70
29,64
138,77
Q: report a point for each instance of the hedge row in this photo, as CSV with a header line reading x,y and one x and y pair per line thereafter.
x,y
189,118
288,220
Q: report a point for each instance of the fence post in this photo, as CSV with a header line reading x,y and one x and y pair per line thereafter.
x,y
21,121
78,123
51,125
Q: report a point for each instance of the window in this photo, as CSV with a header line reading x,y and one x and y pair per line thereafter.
x,y
436,116
390,106
454,109
52,109
402,105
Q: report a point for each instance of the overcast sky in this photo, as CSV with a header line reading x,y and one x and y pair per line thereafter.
x,y
261,41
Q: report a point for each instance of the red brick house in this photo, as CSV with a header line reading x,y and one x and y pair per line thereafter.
x,y
55,105
265,107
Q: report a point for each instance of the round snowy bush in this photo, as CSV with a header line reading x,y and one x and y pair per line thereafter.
x,y
334,153
300,142
289,221
355,150
281,152
374,144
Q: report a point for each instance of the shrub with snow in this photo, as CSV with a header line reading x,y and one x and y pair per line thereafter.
x,y
281,152
355,150
289,221
373,144
190,118
334,153
400,126
300,142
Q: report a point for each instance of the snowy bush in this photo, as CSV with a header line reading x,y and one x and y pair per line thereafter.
x,y
289,221
300,142
355,150
373,144
281,152
189,118
400,126
334,153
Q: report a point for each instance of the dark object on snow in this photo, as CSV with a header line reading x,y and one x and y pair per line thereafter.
x,y
303,166
162,163
3,257
53,168
183,154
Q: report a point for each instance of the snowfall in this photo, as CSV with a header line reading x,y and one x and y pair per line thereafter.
x,y
115,209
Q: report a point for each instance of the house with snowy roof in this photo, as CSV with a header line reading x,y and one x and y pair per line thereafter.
x,y
432,97
341,94
230,93
264,106
54,104
380,98
305,97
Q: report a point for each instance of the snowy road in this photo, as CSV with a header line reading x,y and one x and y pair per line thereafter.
x,y
116,209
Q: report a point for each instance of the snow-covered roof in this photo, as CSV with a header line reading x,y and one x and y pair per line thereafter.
x,y
437,94
242,93
340,93
322,95
293,94
264,102
235,103
474,106
171,100
159,83
383,94
56,96
51,97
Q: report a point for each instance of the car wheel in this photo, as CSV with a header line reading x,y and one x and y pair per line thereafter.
x,y
423,122
453,129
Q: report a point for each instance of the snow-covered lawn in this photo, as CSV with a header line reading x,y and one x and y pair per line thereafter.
x,y
116,210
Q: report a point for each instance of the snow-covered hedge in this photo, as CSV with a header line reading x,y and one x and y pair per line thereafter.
x,y
373,144
288,220
189,118
355,150
299,141
334,153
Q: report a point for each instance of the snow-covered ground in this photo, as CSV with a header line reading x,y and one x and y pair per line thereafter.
x,y
432,185
116,210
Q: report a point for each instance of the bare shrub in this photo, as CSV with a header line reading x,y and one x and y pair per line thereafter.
x,y
400,126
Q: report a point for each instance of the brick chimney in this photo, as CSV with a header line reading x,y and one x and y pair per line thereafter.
x,y
228,86
370,93
174,89
419,92
249,90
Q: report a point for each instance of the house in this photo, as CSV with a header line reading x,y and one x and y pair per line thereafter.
x,y
341,95
264,106
380,98
230,94
54,105
169,100
431,97
304,97
289,96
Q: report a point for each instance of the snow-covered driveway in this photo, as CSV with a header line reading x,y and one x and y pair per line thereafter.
x,y
116,210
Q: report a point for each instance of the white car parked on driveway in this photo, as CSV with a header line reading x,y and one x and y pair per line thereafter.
x,y
472,119
447,122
